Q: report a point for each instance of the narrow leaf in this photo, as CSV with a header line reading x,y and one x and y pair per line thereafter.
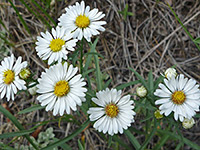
x,y
30,109
122,86
20,17
140,78
132,139
12,134
17,124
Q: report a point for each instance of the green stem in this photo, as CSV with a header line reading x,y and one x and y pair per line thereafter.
x,y
81,58
188,33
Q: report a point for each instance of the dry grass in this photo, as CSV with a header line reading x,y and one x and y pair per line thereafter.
x,y
151,39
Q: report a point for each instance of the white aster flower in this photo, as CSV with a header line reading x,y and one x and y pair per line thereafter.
x,y
81,21
115,112
188,123
61,89
170,72
55,46
141,91
180,95
9,76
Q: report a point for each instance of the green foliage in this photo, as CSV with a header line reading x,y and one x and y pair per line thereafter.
x,y
44,139
125,12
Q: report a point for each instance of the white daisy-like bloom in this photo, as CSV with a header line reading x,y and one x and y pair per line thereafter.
x,y
180,95
61,89
55,46
9,77
81,21
114,112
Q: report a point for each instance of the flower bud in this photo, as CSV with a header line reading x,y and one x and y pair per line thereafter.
x,y
141,91
188,123
170,72
158,115
25,73
33,89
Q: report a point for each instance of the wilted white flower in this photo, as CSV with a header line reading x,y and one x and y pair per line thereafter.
x,y
81,21
114,112
180,95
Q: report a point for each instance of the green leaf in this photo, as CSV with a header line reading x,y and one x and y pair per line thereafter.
x,y
122,86
71,136
12,134
80,145
20,17
17,124
132,139
156,83
185,140
94,53
98,72
44,11
30,109
87,72
197,40
92,49
36,14
124,145
5,147
140,78
149,137
150,82
64,146
162,141
107,83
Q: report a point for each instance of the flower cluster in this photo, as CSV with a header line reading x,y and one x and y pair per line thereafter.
x,y
61,89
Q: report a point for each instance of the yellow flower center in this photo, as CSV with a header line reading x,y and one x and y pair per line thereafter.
x,y
61,88
178,97
82,21
9,76
56,44
112,110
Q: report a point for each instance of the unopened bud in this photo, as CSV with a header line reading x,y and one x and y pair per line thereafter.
x,y
170,72
25,73
158,115
188,123
33,89
141,91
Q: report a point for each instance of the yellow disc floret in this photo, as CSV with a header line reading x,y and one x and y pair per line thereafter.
x,y
111,110
56,44
178,97
61,88
9,76
82,21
